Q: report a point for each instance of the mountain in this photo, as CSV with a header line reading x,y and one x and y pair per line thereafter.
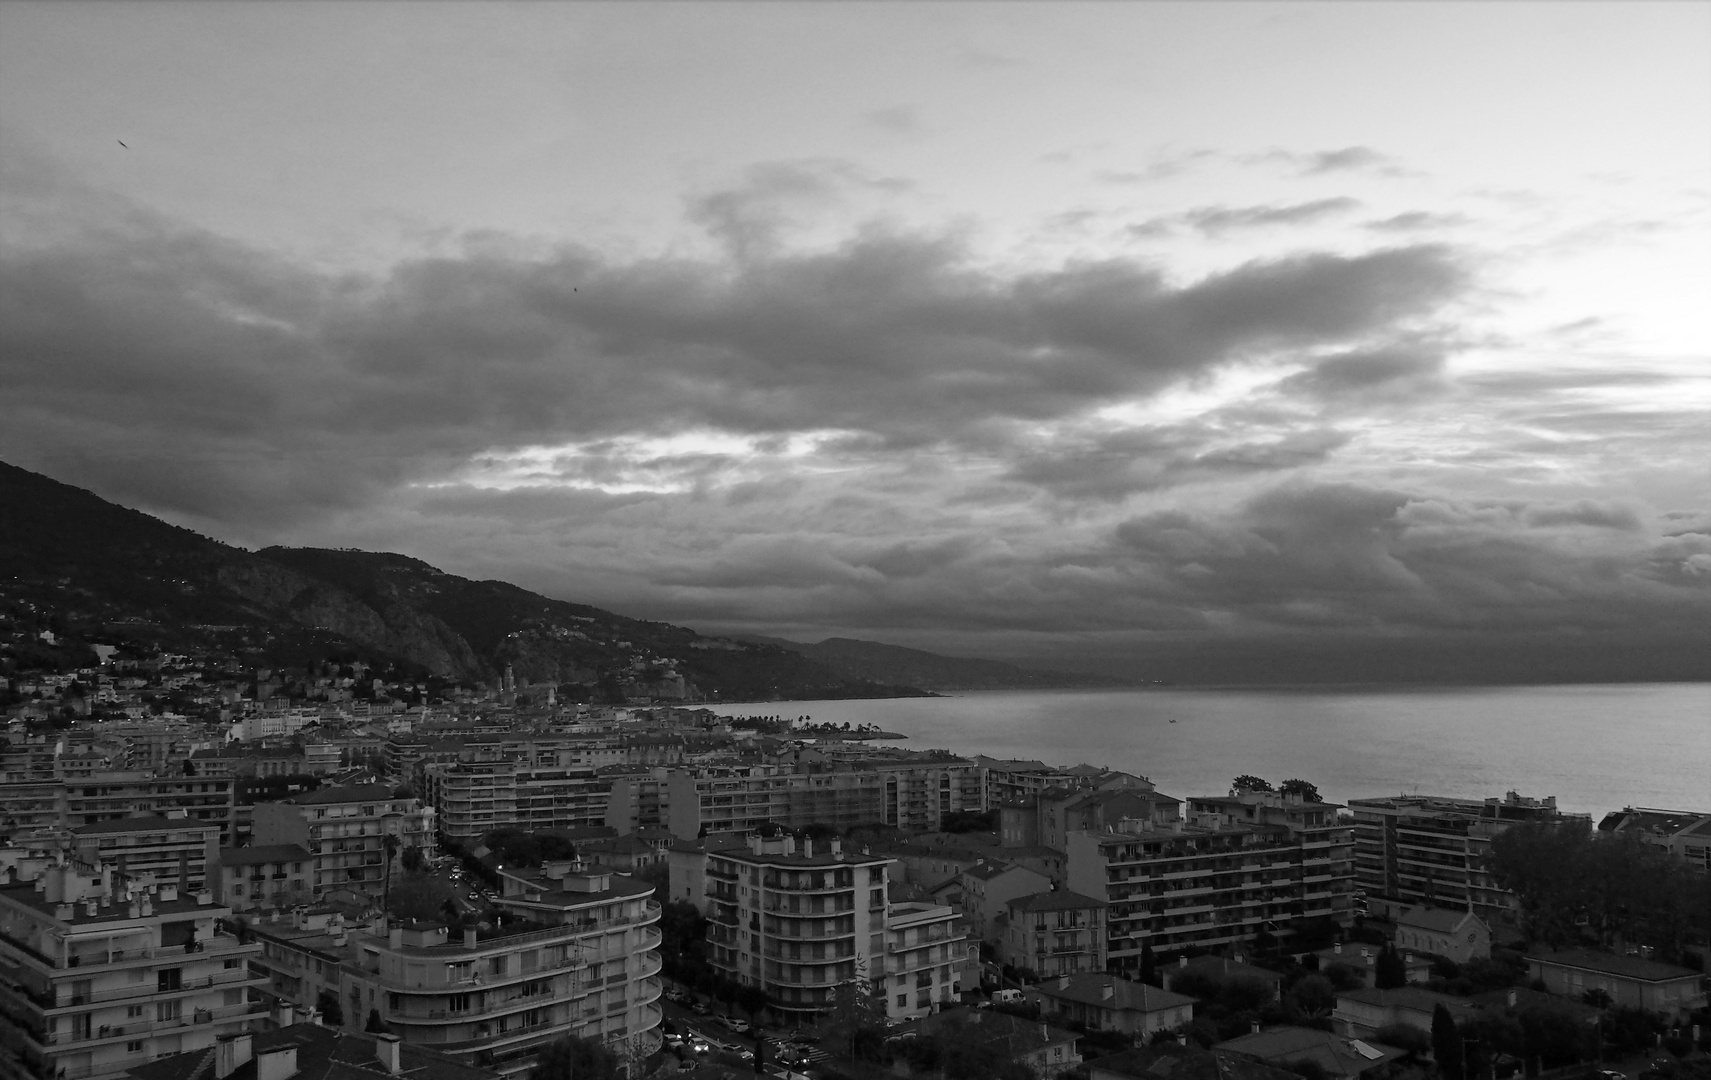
x,y
88,571
893,664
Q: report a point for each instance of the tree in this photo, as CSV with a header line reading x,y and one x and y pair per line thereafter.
x,y
1308,792
390,844
375,1023
1390,970
1247,783
332,1013
412,859
571,1058
1149,966
1446,1043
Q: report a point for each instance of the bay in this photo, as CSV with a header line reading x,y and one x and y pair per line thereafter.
x,y
1595,747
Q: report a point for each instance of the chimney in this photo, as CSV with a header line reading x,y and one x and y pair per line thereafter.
x,y
1181,962
1253,1027
281,1014
1512,996
1365,953
1063,982
386,1050
230,1052
1337,948
469,937
807,848
837,846
395,937
168,893
146,906
1107,992
64,912
1044,1033
276,1063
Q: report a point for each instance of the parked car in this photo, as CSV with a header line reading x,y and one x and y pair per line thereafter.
x,y
700,1009
736,1025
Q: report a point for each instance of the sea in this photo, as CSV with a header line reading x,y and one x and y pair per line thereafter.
x,y
1595,748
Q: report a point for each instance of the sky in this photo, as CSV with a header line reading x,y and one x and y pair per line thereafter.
x,y
1272,341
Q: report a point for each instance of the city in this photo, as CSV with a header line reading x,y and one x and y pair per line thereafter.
x,y
475,877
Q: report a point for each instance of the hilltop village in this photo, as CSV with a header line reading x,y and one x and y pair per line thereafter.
x,y
335,871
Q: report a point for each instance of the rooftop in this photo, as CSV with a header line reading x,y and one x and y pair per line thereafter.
x,y
143,823
1627,967
1061,900
1090,987
323,1053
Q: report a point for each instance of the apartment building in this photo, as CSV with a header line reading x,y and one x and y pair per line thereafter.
x,y
470,798
795,921
919,793
174,849
276,875
580,957
345,831
1205,886
1054,933
925,951
1430,849
46,806
1009,780
738,798
1686,834
987,889
100,972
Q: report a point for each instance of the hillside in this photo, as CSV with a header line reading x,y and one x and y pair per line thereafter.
x,y
87,570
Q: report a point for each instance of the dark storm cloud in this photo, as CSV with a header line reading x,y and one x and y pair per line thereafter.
x,y
185,372
1116,465
1350,556
1403,368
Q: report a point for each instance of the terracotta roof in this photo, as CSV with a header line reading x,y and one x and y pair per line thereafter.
x,y
1089,988
1337,1055
143,823
1442,920
353,793
1061,900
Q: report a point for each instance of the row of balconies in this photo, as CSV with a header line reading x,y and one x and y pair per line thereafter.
x,y
148,990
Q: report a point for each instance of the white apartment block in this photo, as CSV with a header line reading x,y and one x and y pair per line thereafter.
x,y
475,797
100,973
344,829
1216,884
175,849
925,950
799,922
586,963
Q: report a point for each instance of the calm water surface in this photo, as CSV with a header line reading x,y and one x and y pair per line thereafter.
x,y
1595,748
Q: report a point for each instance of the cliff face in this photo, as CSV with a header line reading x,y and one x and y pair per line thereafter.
x,y
396,628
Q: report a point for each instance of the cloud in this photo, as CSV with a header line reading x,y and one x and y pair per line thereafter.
x,y
1417,221
1409,368
897,119
1217,219
206,378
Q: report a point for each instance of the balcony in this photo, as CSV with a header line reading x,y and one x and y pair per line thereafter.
x,y
239,977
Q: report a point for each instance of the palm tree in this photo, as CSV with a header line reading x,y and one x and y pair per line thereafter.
x,y
391,845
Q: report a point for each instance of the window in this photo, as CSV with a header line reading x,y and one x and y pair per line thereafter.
x,y
168,1010
902,1001
169,979
133,1012
135,1046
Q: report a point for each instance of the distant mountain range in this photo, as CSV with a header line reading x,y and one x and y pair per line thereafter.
x,y
98,572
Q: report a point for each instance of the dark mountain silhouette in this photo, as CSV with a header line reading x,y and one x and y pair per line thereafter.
x,y
97,572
